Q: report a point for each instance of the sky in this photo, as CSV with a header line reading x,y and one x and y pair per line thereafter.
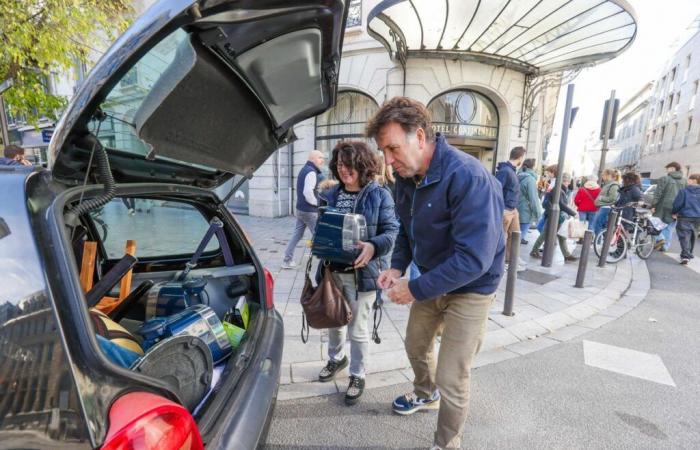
x,y
660,23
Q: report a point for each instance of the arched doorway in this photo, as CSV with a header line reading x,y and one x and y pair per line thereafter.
x,y
469,121
345,121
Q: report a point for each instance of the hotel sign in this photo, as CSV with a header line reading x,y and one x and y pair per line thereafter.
x,y
465,130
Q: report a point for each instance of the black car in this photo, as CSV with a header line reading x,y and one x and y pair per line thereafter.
x,y
134,312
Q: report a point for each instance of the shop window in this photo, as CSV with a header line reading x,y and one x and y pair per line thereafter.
x,y
345,121
464,114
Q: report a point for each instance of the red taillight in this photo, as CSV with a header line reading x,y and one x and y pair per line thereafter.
x,y
269,289
144,421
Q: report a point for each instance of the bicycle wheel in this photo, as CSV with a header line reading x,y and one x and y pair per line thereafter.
x,y
617,250
644,245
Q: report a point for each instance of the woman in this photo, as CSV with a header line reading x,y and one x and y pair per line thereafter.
x,y
585,200
354,166
547,182
564,210
529,207
606,199
630,192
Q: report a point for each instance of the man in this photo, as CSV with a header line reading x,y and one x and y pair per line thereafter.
x,y
507,174
451,213
307,203
686,211
14,156
667,187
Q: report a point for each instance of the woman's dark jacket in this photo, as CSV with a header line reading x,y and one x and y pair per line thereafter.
x,y
564,208
375,203
629,194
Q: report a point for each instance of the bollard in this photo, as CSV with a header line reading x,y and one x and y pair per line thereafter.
x,y
583,260
612,223
512,273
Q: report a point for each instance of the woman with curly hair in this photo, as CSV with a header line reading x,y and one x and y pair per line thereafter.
x,y
355,167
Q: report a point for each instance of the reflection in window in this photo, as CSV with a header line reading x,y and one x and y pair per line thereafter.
x,y
464,114
345,121
354,14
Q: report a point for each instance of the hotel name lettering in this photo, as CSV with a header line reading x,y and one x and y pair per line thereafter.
x,y
456,129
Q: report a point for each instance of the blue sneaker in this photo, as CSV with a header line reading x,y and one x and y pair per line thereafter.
x,y
409,403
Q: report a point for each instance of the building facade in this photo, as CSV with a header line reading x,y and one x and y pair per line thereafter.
x,y
631,129
673,131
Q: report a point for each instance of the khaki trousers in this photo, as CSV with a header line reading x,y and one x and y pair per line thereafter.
x,y
462,319
511,222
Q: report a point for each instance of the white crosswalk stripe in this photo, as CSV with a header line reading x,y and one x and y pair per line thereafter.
x,y
646,366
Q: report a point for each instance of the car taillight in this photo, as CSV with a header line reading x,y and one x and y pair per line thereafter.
x,y
144,421
269,289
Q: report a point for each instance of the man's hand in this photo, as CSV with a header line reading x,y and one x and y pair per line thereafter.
x,y
675,216
387,278
365,255
653,210
400,294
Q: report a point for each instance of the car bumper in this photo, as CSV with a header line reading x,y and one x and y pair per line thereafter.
x,y
248,416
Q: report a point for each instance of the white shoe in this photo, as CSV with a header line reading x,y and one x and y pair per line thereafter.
x,y
521,268
289,265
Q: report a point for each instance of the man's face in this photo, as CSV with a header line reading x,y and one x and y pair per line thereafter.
x,y
318,159
401,150
670,169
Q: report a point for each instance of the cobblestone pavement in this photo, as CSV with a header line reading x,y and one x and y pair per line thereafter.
x,y
548,310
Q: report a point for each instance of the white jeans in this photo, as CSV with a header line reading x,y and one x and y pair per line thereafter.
x,y
358,326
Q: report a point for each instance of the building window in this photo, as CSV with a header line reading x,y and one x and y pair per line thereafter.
x,y
673,75
673,136
464,114
687,131
691,106
661,107
354,14
677,102
661,138
345,121
687,68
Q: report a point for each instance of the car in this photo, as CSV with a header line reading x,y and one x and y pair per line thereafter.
x,y
134,312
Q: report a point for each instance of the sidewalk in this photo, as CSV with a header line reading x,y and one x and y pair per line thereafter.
x,y
548,310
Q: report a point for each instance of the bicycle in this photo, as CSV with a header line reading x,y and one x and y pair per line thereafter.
x,y
636,234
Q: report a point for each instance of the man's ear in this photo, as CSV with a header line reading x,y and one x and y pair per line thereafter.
x,y
420,135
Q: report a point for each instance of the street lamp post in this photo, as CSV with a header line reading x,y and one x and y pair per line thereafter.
x,y
553,219
606,133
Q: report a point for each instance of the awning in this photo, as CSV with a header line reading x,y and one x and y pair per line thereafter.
x,y
533,36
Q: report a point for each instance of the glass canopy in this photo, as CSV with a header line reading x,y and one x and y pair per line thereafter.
x,y
534,36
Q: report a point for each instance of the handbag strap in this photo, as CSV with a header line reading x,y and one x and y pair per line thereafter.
x,y
588,194
377,319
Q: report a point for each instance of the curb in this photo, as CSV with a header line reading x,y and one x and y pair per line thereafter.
x,y
603,306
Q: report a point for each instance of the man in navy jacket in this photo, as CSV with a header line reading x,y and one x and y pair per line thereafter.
x,y
450,210
686,211
506,174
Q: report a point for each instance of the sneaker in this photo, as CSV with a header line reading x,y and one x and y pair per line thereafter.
x,y
521,268
409,403
355,390
571,258
659,244
685,261
289,265
332,368
131,211
524,241
536,254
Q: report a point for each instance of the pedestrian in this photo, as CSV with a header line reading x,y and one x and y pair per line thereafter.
x,y
506,174
451,213
14,156
606,198
686,211
630,192
130,204
307,204
529,203
564,210
667,187
549,178
354,166
585,200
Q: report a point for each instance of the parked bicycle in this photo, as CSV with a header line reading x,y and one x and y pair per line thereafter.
x,y
629,235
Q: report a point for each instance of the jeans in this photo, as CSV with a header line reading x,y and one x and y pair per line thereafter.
x,y
462,319
600,220
358,328
524,229
687,231
304,220
587,216
666,235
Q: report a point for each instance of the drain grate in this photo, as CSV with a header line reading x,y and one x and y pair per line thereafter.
x,y
533,276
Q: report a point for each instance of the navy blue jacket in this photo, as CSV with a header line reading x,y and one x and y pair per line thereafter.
x,y
564,208
505,173
375,203
451,226
628,194
302,204
9,162
687,202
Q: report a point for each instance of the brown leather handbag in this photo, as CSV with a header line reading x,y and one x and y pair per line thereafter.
x,y
324,306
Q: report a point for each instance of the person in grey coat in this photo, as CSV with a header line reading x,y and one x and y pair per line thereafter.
x,y
667,187
529,205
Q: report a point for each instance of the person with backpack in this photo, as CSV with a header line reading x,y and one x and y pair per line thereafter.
x,y
686,211
585,200
355,167
630,192
667,188
529,203
605,200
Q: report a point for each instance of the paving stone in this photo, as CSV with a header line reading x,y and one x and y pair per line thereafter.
x,y
484,358
525,347
616,311
305,390
568,333
556,320
581,311
497,339
308,371
382,379
285,374
392,360
596,321
527,330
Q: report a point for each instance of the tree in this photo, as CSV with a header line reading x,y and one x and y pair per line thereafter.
x,y
41,37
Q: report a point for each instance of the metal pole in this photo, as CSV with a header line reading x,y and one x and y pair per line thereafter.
x,y
583,261
606,135
553,219
3,123
612,223
512,273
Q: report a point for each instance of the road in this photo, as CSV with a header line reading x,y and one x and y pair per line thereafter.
x,y
645,396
